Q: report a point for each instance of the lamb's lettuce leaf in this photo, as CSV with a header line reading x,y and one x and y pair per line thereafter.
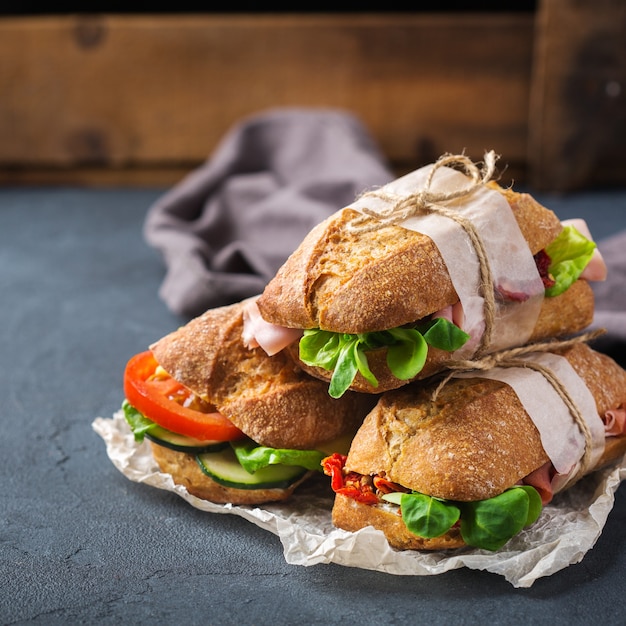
x,y
427,516
489,524
486,524
346,355
569,254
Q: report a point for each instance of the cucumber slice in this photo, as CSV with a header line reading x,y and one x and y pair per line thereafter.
x,y
181,443
224,469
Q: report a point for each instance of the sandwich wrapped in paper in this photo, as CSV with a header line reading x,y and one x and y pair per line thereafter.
x,y
472,459
440,264
230,423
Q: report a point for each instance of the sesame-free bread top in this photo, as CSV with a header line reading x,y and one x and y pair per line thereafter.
x,y
353,282
475,440
269,398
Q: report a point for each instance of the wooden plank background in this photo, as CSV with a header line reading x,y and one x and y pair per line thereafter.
x,y
143,99
156,93
577,121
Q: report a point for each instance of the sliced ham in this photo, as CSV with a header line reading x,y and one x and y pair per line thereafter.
x,y
546,481
453,313
259,333
541,480
596,268
615,422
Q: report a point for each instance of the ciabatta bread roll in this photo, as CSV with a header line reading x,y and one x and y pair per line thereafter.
x,y
232,424
473,442
352,281
270,399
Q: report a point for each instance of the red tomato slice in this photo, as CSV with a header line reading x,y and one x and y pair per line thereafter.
x,y
160,399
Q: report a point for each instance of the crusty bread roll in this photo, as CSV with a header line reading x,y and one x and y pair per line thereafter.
x,y
185,471
471,443
270,399
349,282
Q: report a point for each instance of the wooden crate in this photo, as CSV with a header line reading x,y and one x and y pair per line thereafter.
x,y
577,108
142,99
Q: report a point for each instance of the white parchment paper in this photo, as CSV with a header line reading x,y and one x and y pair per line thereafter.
x,y
508,254
561,437
567,529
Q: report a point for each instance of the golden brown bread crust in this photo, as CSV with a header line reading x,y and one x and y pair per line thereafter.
x,y
269,398
565,314
352,283
605,379
476,439
442,440
185,471
471,444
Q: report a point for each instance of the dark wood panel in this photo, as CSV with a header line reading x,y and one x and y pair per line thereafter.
x,y
578,102
158,92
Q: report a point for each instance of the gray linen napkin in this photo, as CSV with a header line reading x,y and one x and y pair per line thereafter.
x,y
610,297
228,226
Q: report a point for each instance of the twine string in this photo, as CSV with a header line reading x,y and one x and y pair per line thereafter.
x,y
399,208
509,358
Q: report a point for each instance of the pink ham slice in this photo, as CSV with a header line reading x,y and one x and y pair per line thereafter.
x,y
259,333
545,478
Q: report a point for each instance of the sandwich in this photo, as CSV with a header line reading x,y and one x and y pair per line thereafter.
x,y
388,290
229,423
473,464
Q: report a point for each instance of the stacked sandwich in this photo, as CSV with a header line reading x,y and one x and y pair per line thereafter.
x,y
433,329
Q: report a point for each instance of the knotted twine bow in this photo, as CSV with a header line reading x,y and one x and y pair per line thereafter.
x,y
426,200
401,207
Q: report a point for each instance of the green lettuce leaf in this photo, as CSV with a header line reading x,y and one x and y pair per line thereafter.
x,y
346,354
486,524
427,516
253,457
489,524
347,365
569,254
139,424
534,504
407,354
320,347
442,334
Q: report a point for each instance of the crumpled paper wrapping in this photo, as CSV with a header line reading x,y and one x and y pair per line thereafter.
x,y
567,529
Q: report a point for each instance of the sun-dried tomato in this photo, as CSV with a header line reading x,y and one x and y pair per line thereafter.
x,y
354,485
386,486
333,467
364,496
542,261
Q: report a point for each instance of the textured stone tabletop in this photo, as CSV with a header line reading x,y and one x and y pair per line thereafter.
x,y
79,543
